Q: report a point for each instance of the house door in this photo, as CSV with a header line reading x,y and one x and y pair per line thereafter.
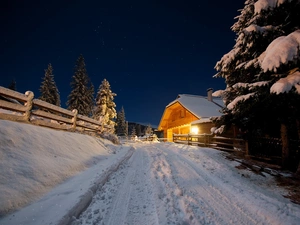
x,y
169,135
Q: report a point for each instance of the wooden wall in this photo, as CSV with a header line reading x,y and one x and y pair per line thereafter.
x,y
180,116
204,128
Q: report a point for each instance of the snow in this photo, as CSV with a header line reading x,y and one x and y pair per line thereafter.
x,y
36,159
250,85
227,59
218,93
266,4
166,183
255,28
280,51
202,120
287,83
143,183
232,104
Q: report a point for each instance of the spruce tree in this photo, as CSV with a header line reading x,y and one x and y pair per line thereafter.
x,y
138,130
133,132
48,88
82,93
261,71
105,107
121,129
12,85
148,130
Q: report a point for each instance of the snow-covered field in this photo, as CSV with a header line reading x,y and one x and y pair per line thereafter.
x,y
143,183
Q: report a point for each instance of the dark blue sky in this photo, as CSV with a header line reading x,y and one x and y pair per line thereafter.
x,y
149,51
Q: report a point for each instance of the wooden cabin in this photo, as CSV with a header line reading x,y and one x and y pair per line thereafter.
x,y
190,114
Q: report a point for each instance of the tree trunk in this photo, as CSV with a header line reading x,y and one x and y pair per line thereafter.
x,y
285,145
298,130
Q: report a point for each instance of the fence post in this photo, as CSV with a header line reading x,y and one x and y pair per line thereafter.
x,y
74,119
246,147
28,104
173,138
188,137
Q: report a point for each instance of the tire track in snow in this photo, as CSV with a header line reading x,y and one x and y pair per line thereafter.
x,y
142,208
168,194
216,206
126,198
203,203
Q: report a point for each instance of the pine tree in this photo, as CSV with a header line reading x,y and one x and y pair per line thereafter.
x,y
48,88
105,107
261,71
12,85
82,93
133,132
121,129
138,130
148,130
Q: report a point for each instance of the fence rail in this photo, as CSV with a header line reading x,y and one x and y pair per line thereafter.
x,y
23,107
208,140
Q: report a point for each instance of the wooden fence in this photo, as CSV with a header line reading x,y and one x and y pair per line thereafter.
x,y
24,108
208,140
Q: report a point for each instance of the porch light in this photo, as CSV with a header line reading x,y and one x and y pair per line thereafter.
x,y
195,130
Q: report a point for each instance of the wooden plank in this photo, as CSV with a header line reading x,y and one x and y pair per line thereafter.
x,y
223,143
45,123
84,125
12,106
225,138
54,108
224,149
12,117
87,119
13,94
51,116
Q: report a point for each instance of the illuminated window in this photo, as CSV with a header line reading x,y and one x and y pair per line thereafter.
x,y
195,130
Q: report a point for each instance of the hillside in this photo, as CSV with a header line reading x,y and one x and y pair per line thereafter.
x,y
35,159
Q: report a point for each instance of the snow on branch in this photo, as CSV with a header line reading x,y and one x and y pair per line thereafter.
x,y
232,104
255,28
267,4
240,85
281,50
227,59
218,93
287,83
250,86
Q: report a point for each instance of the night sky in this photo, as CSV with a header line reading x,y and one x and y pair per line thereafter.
x,y
149,51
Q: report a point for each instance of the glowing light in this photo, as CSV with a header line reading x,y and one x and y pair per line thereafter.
x,y
195,130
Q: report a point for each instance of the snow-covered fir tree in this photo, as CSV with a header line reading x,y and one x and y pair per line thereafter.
x,y
262,70
121,128
138,130
82,93
105,110
133,132
48,88
148,130
13,85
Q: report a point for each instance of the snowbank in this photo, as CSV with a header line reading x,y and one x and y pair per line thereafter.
x,y
35,159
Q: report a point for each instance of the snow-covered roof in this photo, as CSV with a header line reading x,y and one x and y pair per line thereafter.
x,y
202,120
199,105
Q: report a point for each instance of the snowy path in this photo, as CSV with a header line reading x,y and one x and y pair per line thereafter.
x,y
177,184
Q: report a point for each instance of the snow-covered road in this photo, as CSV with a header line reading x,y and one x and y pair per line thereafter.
x,y
164,183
